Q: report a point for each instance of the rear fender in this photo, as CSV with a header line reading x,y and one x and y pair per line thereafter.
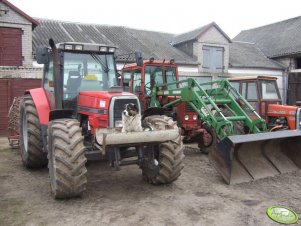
x,y
42,104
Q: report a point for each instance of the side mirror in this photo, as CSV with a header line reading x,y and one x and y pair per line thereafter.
x,y
138,58
42,55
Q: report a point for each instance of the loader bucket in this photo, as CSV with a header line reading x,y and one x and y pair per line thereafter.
x,y
243,158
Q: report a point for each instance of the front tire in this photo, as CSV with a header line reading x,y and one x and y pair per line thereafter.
x,y
31,145
67,158
169,157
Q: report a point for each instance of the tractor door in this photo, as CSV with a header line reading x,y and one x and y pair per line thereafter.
x,y
249,90
269,94
48,83
132,82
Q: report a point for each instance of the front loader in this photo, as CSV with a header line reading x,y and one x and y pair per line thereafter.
x,y
77,114
239,143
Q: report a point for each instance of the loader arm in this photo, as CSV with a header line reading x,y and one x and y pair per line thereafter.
x,y
209,105
243,150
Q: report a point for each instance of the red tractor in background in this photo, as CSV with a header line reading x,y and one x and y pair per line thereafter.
x,y
263,94
140,80
77,114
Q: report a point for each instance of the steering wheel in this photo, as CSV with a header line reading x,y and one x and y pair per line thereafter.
x,y
147,88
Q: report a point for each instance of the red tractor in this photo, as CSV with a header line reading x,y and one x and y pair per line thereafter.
x,y
141,79
263,94
77,114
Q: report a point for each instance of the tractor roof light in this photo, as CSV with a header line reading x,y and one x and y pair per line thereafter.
x,y
111,49
68,47
151,59
172,61
103,49
78,47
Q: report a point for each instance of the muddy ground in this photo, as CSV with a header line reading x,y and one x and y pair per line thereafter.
x,y
198,197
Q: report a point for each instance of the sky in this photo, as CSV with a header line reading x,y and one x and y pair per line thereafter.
x,y
168,16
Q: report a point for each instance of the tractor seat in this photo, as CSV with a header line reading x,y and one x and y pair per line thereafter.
x,y
89,84
73,83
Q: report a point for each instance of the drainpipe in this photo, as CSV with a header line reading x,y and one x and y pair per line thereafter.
x,y
285,85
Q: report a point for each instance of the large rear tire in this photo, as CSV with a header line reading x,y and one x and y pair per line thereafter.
x,y
67,159
31,145
170,156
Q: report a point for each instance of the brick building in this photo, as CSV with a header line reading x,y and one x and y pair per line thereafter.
x,y
16,58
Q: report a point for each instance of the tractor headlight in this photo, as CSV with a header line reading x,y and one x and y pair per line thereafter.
x,y
195,117
103,49
118,123
186,117
102,104
112,50
78,47
68,47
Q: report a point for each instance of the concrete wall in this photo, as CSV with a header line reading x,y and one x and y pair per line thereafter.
x,y
14,20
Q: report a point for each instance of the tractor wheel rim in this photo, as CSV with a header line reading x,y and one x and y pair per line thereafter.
x,y
25,132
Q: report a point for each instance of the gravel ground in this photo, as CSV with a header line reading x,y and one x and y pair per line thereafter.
x,y
198,197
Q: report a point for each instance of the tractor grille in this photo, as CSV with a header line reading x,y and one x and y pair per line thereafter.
x,y
117,107
188,108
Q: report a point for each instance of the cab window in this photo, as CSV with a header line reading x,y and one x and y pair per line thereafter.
x,y
137,81
48,79
126,80
268,90
251,91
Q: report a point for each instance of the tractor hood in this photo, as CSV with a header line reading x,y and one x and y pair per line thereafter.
x,y
99,99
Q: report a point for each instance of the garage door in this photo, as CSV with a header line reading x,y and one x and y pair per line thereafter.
x,y
10,46
11,88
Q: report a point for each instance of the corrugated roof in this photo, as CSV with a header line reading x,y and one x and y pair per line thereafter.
x,y
194,34
150,43
275,40
248,55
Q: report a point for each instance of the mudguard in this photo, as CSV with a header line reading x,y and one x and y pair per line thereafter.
x,y
42,104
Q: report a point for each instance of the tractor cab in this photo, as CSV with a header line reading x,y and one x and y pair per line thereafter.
x,y
81,67
259,91
140,80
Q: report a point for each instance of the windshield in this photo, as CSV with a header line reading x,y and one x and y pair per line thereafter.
x,y
88,72
268,90
155,74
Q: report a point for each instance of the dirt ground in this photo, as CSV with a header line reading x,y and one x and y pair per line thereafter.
x,y
198,197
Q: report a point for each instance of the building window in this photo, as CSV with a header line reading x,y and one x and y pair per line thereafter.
x,y
298,63
213,59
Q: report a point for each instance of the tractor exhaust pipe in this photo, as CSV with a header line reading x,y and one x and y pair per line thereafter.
x,y
57,78
244,158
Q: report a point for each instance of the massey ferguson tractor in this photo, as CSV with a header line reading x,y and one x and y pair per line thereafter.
x,y
263,94
77,113
239,141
